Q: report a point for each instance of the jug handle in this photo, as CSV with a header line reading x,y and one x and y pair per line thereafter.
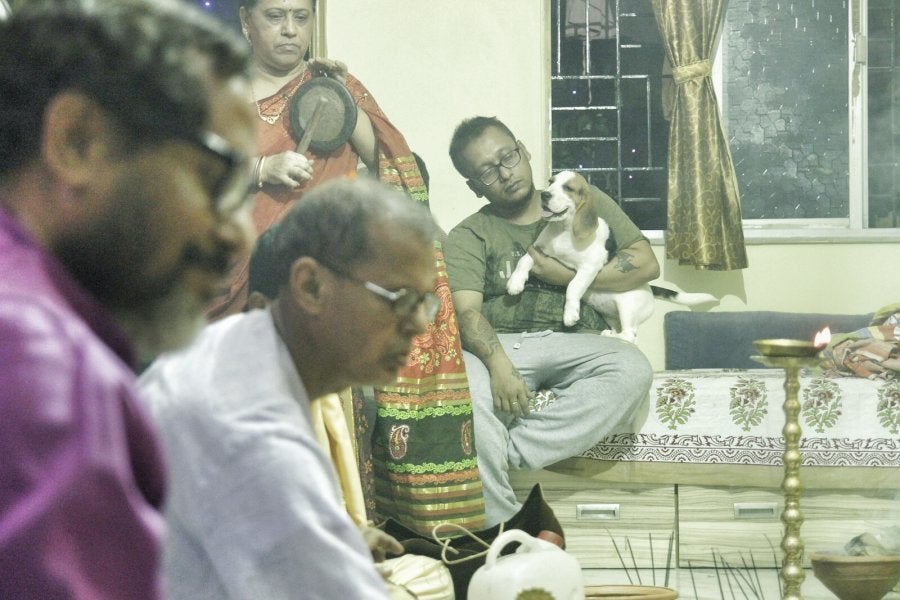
x,y
528,542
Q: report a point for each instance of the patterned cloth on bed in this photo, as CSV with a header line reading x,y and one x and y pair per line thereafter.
x,y
870,352
736,417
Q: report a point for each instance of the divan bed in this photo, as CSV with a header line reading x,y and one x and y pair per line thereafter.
x,y
699,471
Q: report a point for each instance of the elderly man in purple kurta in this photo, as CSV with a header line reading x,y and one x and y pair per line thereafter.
x,y
122,130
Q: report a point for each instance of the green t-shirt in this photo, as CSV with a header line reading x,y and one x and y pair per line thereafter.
x,y
483,250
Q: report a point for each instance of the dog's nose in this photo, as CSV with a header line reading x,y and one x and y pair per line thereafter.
x,y
545,196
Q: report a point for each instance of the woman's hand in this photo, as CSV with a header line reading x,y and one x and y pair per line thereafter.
x,y
288,168
332,68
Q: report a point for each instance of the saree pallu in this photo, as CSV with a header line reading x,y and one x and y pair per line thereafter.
x,y
416,452
423,450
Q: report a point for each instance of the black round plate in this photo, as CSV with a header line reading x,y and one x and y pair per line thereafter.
x,y
335,124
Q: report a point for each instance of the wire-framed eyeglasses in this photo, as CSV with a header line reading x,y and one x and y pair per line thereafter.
x,y
403,302
509,160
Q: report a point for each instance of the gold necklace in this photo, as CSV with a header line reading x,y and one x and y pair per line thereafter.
x,y
276,105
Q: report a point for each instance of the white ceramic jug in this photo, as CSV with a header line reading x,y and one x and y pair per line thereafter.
x,y
537,570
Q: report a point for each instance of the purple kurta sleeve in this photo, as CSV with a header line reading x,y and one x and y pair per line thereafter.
x,y
74,522
81,474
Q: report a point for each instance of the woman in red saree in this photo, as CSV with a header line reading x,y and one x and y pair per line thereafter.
x,y
420,467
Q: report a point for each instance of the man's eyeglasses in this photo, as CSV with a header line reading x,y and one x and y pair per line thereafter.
x,y
228,192
404,303
509,160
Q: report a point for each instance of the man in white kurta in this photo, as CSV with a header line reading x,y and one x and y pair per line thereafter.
x,y
254,510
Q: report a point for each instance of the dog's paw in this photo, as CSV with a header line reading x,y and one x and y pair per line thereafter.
x,y
571,314
515,284
628,336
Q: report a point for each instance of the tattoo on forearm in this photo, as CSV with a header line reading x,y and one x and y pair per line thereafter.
x,y
477,335
624,261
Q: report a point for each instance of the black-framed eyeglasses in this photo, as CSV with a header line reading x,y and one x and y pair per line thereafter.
x,y
509,160
229,190
403,302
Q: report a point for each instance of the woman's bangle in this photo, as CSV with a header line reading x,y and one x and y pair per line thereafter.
x,y
254,177
259,168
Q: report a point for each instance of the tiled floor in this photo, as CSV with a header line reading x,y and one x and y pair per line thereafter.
x,y
708,584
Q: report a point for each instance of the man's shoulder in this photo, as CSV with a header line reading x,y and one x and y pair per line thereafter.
x,y
217,348
40,331
602,201
231,364
478,218
480,224
27,289
623,230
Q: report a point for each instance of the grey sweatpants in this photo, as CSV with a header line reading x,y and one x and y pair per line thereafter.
x,y
599,382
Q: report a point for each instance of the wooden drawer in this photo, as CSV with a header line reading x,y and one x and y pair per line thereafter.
x,y
597,518
736,522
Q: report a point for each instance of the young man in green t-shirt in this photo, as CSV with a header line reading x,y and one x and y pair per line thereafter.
x,y
517,345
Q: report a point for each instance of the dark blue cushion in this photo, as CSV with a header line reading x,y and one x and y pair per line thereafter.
x,y
724,340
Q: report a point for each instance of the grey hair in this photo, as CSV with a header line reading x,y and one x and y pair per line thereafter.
x,y
251,4
334,223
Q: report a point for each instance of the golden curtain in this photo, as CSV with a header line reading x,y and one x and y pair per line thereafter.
x,y
704,212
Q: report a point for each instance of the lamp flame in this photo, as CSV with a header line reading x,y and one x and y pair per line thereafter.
x,y
823,338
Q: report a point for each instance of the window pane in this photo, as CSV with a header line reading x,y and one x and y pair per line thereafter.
x,y
583,92
785,106
884,114
606,111
645,200
603,91
784,103
579,155
569,92
568,124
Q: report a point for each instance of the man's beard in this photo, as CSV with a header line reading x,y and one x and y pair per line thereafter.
x,y
525,199
111,258
161,325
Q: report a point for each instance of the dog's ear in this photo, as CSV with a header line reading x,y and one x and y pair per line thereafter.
x,y
585,222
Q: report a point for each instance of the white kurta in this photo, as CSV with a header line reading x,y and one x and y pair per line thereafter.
x,y
253,510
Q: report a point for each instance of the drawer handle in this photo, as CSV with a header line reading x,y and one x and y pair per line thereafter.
x,y
755,510
596,512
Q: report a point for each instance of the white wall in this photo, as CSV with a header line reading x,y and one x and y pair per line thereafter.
x,y
432,63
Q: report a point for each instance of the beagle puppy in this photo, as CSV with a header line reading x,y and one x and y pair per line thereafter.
x,y
576,236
